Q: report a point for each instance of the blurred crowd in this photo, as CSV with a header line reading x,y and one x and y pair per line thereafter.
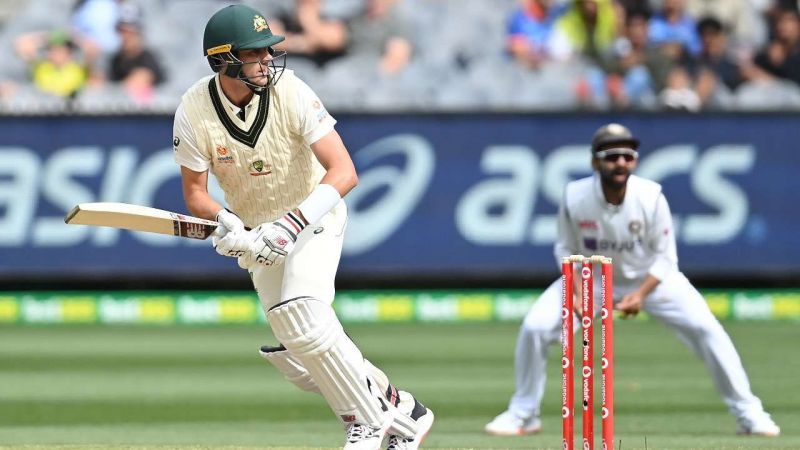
x,y
103,56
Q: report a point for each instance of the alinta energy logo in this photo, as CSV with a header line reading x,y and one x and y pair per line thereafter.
x,y
223,156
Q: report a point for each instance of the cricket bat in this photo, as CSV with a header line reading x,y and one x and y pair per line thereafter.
x,y
140,218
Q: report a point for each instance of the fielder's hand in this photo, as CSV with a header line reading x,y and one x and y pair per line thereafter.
x,y
630,305
230,238
272,242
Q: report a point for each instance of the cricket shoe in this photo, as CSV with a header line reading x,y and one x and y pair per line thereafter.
x,y
424,418
364,437
758,425
507,424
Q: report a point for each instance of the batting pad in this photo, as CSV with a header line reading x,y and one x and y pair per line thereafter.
x,y
290,367
402,424
311,332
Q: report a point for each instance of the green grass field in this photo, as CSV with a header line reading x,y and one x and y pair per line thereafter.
x,y
198,387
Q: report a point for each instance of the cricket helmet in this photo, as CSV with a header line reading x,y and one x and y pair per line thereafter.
x,y
613,133
235,28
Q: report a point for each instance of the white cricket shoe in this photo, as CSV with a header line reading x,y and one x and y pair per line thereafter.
x,y
424,418
507,424
364,437
758,425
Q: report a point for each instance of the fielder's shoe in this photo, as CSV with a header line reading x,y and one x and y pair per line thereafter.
x,y
507,424
759,425
424,418
364,437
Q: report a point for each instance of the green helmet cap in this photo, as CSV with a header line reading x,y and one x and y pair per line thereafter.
x,y
237,27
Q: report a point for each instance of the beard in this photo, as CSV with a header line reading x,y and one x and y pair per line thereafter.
x,y
613,178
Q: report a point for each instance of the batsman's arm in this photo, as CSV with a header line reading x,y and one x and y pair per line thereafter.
x,y
194,160
196,196
340,171
340,177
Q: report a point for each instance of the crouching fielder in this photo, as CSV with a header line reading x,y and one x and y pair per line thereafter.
x,y
626,218
284,170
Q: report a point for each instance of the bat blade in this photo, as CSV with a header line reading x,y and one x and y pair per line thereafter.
x,y
140,218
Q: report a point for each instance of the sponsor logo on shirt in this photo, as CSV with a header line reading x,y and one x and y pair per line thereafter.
x,y
635,227
222,155
260,168
176,141
607,245
587,225
322,113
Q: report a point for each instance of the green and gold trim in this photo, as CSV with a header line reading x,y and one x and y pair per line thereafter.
x,y
250,136
220,308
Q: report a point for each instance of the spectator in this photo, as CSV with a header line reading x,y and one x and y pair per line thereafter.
x,y
636,70
531,34
772,9
679,93
93,29
134,66
380,33
781,57
309,34
93,23
675,28
54,66
745,28
589,26
714,69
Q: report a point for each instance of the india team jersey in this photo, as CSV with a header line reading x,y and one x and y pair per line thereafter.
x,y
637,234
262,158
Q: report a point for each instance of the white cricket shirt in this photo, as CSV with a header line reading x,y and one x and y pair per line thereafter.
x,y
637,234
263,163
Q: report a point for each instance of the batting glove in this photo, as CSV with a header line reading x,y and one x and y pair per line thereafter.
x,y
272,242
230,238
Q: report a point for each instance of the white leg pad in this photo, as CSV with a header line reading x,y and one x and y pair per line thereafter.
x,y
402,424
290,367
311,332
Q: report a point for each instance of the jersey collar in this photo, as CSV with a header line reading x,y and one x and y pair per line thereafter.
x,y
229,106
223,107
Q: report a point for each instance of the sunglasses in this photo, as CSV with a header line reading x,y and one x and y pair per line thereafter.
x,y
612,154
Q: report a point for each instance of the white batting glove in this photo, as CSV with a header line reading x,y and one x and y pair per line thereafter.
x,y
272,242
233,244
228,222
230,238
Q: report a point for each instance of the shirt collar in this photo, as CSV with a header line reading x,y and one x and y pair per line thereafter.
x,y
228,104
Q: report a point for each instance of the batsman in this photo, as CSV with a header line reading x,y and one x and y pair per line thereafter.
x,y
271,144
626,217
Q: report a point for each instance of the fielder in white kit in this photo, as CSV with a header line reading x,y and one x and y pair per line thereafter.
x,y
272,146
627,218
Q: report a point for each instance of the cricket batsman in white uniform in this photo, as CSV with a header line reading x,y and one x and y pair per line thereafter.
x,y
284,170
625,217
